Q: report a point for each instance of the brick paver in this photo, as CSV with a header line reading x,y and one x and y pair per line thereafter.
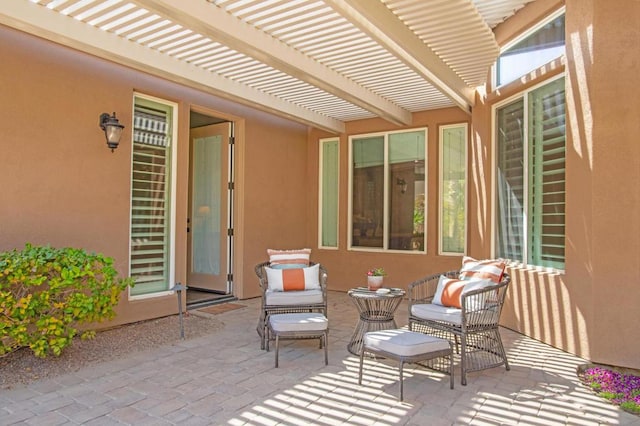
x,y
225,379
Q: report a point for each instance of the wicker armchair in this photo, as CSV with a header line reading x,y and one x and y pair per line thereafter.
x,y
284,302
473,328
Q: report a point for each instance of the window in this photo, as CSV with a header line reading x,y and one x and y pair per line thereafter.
x,y
329,184
530,177
532,50
152,189
387,180
453,189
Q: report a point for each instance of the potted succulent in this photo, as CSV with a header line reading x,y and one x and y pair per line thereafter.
x,y
375,278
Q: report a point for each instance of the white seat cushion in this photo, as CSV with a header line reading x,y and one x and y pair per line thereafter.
x,y
304,321
303,297
404,342
431,311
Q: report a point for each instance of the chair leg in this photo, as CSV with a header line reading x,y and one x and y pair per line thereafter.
x,y
450,357
503,354
326,349
401,380
266,341
265,331
463,359
277,348
361,361
260,329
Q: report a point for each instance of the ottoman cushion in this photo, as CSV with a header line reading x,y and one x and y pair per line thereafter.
x,y
404,342
305,321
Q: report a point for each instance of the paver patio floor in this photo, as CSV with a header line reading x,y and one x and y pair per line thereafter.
x,y
225,379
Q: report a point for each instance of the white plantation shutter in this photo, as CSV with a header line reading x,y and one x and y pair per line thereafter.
x,y
547,171
510,180
329,186
531,177
150,192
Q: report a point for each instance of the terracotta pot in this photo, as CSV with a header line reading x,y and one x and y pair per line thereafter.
x,y
374,283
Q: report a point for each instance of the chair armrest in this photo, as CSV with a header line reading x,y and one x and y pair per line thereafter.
x,y
262,275
423,290
483,306
323,276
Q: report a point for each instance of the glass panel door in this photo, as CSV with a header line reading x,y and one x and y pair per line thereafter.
x,y
208,222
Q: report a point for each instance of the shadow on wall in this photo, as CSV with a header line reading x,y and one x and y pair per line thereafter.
x,y
539,305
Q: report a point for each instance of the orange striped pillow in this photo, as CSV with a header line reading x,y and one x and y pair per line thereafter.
x,y
449,291
295,279
289,257
486,269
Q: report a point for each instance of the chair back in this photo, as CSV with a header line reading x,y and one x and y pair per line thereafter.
x,y
261,273
483,307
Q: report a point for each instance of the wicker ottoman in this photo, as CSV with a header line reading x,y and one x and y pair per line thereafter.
x,y
408,346
305,325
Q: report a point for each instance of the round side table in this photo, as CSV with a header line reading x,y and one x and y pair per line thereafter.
x,y
376,311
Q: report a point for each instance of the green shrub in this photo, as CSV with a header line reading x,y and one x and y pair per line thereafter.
x,y
46,293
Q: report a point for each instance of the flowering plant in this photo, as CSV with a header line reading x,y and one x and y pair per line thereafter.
x,y
376,272
619,388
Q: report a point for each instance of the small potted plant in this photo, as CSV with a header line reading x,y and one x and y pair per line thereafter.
x,y
375,278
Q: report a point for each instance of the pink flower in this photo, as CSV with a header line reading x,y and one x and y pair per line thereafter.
x,y
376,272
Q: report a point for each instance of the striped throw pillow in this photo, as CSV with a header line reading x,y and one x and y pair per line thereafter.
x,y
295,279
485,269
289,257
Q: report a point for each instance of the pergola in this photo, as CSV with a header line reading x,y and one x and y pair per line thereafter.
x,y
318,62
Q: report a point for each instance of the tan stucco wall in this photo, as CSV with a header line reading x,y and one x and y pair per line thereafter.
x,y
61,185
591,309
605,155
347,269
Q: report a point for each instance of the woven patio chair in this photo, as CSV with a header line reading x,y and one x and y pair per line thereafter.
x,y
473,329
285,302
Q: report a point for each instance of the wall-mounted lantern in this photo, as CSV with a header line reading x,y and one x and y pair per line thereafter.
x,y
112,129
402,184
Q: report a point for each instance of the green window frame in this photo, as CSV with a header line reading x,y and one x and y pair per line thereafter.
x,y
329,193
152,228
530,176
453,189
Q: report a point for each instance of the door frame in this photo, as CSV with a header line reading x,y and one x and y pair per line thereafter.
x,y
229,241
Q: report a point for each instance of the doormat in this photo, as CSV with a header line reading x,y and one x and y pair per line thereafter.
x,y
221,308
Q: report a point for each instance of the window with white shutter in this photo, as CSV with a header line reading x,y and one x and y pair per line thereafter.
x,y
151,196
530,177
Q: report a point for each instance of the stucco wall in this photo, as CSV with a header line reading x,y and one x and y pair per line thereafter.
x,y
590,308
347,269
62,186
604,127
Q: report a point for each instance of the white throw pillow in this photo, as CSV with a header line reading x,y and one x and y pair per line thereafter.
x,y
293,279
